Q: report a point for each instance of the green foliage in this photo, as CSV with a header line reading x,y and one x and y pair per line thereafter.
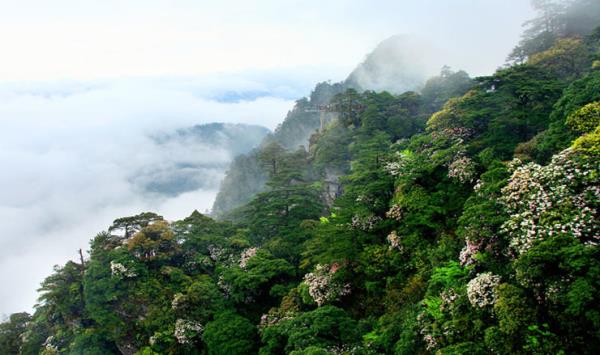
x,y
586,119
228,334
447,85
325,327
404,226
556,19
133,224
567,57
10,332
589,143
254,282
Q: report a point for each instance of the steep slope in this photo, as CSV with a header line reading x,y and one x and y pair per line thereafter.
x,y
391,66
246,177
472,230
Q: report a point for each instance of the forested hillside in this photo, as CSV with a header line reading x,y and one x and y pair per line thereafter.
x,y
460,219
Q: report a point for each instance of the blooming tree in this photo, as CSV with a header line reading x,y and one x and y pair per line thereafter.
x,y
467,254
246,255
322,286
394,239
395,212
561,198
462,169
119,270
481,290
186,330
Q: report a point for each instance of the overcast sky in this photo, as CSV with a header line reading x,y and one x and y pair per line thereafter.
x,y
84,83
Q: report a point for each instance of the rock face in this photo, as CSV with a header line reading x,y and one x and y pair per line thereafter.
x,y
331,186
245,177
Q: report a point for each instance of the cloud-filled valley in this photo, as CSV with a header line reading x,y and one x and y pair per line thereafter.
x,y
82,154
76,153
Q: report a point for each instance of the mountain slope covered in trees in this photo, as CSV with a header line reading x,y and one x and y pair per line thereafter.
x,y
387,67
459,220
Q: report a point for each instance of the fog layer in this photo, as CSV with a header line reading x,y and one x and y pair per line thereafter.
x,y
76,155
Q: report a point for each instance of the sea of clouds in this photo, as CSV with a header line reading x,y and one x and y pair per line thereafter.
x,y
76,155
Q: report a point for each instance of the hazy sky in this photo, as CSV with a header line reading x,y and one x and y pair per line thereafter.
x,y
91,39
84,83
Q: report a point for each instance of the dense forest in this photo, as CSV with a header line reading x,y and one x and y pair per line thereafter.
x,y
461,218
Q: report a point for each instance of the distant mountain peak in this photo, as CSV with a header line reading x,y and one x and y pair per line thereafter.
x,y
399,63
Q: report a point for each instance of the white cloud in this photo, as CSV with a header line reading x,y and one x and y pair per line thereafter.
x,y
76,156
68,146
91,39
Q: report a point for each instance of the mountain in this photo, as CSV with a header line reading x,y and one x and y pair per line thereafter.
x,y
398,64
389,67
472,229
246,176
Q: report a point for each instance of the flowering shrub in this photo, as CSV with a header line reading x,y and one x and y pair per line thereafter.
x,y
394,241
120,270
467,254
273,318
394,213
49,345
186,330
224,286
215,252
365,223
432,320
560,198
178,300
321,284
462,169
457,135
478,186
426,330
448,297
481,290
401,165
246,255
345,349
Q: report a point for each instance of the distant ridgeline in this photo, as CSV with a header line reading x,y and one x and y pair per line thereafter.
x,y
459,219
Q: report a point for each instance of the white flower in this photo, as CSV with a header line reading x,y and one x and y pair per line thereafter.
x,y
246,255
401,166
462,169
560,198
321,286
467,254
177,301
119,270
224,286
365,223
215,252
395,212
481,289
49,344
186,330
394,241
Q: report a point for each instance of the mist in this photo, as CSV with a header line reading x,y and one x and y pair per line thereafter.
x,y
86,90
76,156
